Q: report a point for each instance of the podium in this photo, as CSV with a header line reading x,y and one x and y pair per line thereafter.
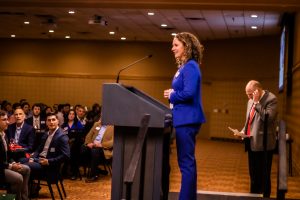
x,y
124,107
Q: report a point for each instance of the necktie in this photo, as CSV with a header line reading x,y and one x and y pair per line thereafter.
x,y
36,124
251,116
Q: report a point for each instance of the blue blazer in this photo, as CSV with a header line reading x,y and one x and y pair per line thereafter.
x,y
27,136
58,153
186,98
58,150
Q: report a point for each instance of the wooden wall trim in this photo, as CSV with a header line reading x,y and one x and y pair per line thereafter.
x,y
86,76
206,80
296,67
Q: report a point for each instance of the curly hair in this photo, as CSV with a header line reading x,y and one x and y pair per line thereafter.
x,y
193,49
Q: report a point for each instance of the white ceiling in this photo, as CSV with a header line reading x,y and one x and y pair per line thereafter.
x,y
133,23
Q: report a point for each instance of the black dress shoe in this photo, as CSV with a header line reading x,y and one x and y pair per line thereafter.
x,y
34,192
101,171
92,179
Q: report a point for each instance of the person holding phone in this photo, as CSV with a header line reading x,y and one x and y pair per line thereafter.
x,y
260,102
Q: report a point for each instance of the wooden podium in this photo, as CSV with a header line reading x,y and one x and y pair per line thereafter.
x,y
124,107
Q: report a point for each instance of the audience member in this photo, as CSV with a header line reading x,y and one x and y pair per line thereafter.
x,y
54,150
73,128
36,120
94,114
55,107
48,109
66,110
15,174
97,147
20,132
91,117
60,114
16,105
8,108
26,108
81,115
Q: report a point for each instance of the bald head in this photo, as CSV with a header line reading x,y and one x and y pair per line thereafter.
x,y
252,86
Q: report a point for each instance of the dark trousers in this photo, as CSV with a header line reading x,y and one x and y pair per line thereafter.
x,y
260,177
92,157
186,140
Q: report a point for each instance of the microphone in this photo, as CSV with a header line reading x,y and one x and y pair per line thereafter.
x,y
149,56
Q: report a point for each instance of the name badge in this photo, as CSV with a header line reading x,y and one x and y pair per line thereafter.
x,y
52,150
97,128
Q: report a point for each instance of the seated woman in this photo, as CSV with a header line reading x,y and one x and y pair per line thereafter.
x,y
73,128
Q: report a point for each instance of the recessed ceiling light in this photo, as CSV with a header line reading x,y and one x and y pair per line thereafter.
x,y
13,36
111,32
173,34
163,25
253,27
67,37
51,31
151,13
254,16
123,38
71,12
26,22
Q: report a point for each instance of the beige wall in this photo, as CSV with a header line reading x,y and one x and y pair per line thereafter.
x,y
84,57
58,71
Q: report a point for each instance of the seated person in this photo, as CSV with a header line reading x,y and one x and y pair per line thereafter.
x,y
14,174
73,128
21,133
38,122
97,147
54,150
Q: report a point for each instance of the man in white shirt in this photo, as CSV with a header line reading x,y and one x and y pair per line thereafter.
x,y
54,150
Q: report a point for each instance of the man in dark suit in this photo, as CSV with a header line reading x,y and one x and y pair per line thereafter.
x,y
52,152
20,132
260,102
36,120
15,174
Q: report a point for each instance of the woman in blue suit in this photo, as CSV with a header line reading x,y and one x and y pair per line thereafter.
x,y
186,104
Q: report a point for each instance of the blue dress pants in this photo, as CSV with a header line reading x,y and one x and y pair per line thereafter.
x,y
185,140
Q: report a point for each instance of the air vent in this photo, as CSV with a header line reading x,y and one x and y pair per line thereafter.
x,y
45,16
195,18
12,13
167,28
83,32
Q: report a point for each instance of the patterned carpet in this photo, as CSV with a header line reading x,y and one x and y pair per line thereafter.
x,y
222,167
